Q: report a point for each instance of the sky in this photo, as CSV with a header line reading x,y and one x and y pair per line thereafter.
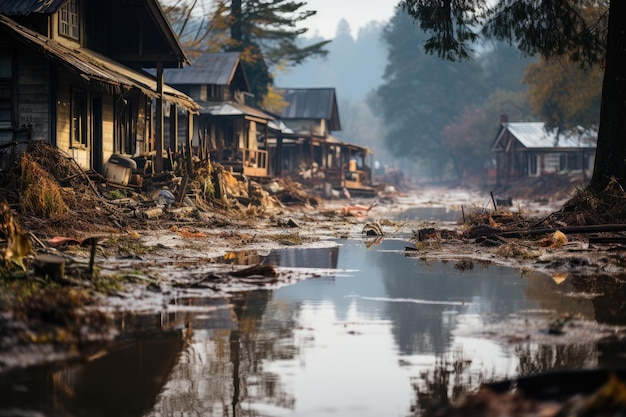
x,y
357,12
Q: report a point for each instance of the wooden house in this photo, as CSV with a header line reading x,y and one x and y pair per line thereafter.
x,y
227,129
306,149
528,149
71,75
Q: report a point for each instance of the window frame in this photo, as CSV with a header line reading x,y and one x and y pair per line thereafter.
x,y
69,20
6,84
79,118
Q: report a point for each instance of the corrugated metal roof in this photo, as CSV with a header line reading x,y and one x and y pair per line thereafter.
x,y
232,109
308,103
533,135
217,68
26,7
90,65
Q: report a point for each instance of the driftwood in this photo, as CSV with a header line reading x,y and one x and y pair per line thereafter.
x,y
602,228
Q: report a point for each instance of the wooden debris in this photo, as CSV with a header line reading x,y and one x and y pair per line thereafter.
x,y
49,266
256,270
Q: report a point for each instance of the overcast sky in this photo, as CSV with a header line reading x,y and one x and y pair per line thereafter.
x,y
357,12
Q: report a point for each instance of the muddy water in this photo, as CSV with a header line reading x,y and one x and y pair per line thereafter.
x,y
382,335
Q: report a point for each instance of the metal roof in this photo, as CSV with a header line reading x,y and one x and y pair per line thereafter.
x,y
153,8
533,135
26,7
217,68
311,103
232,109
93,66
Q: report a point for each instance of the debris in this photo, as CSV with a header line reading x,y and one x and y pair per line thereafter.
x,y
373,229
49,266
256,270
555,240
357,210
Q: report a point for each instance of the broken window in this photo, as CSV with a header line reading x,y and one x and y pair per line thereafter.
x,y
69,20
78,128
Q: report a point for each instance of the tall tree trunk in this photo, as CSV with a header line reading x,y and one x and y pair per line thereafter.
x,y
236,30
611,151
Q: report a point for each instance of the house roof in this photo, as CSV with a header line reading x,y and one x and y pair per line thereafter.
x,y
533,135
93,66
26,7
311,103
176,55
232,109
217,68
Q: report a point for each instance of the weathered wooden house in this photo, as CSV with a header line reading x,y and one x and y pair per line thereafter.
x,y
309,151
71,75
227,129
527,149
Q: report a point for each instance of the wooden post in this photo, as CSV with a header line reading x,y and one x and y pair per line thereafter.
x,y
174,128
158,131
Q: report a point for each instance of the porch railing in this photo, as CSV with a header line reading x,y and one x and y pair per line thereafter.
x,y
255,162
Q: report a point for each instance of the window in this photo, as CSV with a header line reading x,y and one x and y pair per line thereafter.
x,y
6,75
78,128
68,20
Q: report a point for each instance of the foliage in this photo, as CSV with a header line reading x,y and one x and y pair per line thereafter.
x,y
564,94
201,27
551,28
273,101
584,31
468,136
264,31
421,94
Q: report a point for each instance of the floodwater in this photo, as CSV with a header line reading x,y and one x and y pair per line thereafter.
x,y
382,334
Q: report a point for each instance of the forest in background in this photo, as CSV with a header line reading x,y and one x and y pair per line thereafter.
x,y
433,118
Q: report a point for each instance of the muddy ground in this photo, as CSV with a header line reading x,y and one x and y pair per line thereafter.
x,y
77,251
186,251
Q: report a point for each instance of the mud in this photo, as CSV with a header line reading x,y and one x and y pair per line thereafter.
x,y
143,270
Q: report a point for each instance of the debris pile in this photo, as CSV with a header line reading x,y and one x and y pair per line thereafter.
x,y
52,193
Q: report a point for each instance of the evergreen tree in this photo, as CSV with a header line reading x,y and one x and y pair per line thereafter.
x,y
264,31
421,94
266,34
587,32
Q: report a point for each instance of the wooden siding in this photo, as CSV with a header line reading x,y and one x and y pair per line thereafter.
x,y
33,94
108,127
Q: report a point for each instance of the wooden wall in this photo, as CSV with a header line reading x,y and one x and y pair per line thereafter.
x,y
33,94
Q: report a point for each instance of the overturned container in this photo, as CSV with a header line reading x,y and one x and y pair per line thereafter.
x,y
119,168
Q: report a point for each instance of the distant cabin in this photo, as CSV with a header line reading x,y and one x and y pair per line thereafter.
x,y
527,149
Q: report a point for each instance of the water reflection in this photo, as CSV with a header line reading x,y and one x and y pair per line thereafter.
x,y
395,337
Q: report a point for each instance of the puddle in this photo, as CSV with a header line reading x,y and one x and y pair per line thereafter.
x,y
384,336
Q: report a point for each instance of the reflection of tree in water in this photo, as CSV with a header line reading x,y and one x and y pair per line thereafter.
x,y
534,358
444,384
610,302
221,373
556,297
427,328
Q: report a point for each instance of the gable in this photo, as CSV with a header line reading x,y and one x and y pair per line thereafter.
x,y
92,66
312,104
533,135
222,68
134,32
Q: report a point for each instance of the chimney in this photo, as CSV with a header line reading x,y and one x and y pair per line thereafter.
x,y
504,118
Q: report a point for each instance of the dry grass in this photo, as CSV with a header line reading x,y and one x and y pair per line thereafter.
x,y
41,194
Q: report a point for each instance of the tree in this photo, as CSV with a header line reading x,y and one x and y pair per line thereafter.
x,y
266,34
565,95
549,28
468,137
264,31
421,94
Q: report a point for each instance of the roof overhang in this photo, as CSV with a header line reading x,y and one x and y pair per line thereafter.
x,y
94,67
233,109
